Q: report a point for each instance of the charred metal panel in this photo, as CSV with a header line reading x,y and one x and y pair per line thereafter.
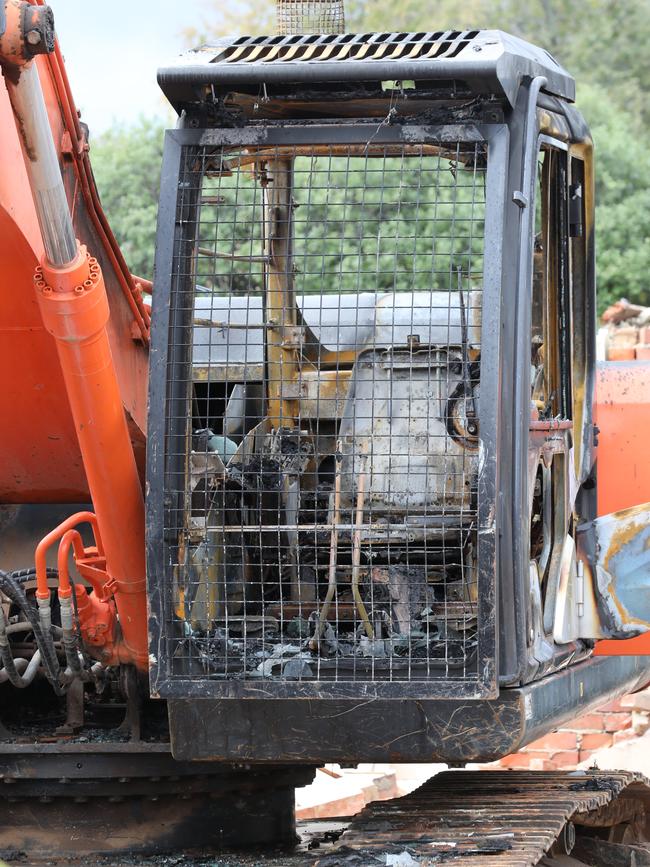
x,y
321,467
414,731
619,546
483,62
137,801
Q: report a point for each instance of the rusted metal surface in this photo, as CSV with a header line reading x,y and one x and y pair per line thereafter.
x,y
488,818
350,731
619,547
623,567
466,819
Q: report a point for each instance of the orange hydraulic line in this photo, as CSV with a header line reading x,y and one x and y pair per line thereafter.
x,y
70,537
75,311
42,590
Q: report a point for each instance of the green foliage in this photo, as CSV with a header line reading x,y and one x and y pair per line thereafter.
x,y
622,198
602,42
126,163
374,223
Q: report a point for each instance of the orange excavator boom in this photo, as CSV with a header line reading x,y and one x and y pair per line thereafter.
x,y
74,310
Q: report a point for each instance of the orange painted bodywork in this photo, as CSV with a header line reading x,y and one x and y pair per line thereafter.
x,y
40,460
73,355
74,310
623,417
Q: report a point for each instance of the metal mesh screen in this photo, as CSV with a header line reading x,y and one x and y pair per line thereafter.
x,y
325,462
310,16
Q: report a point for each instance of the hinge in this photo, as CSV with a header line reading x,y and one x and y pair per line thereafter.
x,y
580,588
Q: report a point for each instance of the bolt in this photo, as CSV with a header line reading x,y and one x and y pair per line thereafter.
x,y
33,37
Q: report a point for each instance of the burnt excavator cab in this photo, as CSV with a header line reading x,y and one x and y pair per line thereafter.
x,y
371,449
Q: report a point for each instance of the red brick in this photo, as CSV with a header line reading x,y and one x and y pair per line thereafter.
x,y
596,741
638,701
566,758
644,334
539,754
516,760
542,765
593,722
615,706
563,740
616,722
623,336
585,755
621,353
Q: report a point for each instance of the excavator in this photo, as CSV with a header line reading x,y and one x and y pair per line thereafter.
x,y
343,484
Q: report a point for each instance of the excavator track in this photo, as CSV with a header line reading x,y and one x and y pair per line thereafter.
x,y
506,819
457,818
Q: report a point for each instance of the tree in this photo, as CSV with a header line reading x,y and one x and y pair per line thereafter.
x,y
126,163
606,57
622,198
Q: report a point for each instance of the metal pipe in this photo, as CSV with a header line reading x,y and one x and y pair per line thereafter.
x,y
42,166
69,538
334,542
26,670
42,589
356,554
66,605
11,669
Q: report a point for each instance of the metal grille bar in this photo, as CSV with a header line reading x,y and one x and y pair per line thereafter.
x,y
330,44
324,373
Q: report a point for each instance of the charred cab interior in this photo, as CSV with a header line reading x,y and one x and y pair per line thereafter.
x,y
374,445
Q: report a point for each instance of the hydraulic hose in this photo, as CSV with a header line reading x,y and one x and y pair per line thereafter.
x,y
11,587
19,672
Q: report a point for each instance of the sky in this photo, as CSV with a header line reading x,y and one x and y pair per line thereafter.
x,y
113,49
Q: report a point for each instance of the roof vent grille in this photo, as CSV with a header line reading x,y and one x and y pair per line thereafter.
x,y
332,48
